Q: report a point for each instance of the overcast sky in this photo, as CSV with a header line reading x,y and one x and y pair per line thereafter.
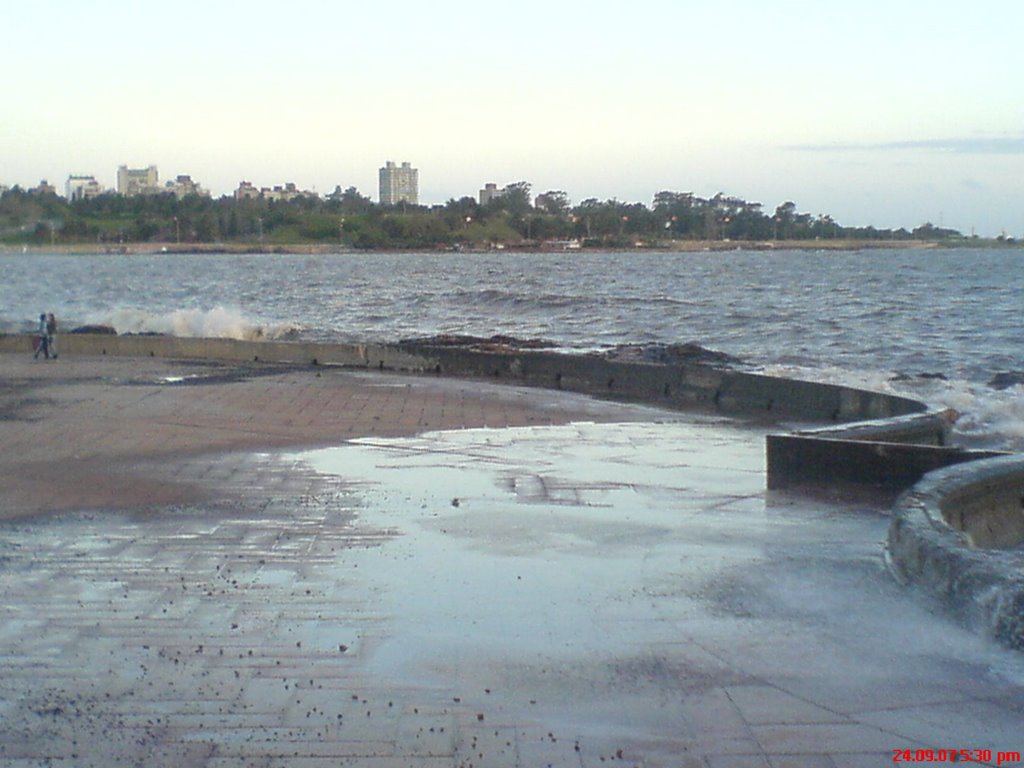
x,y
888,113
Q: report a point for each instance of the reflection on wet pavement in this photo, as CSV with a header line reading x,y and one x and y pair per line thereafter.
x,y
581,595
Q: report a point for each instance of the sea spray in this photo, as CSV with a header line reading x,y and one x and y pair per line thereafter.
x,y
989,418
217,323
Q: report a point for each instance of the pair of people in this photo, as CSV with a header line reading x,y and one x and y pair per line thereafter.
x,y
47,336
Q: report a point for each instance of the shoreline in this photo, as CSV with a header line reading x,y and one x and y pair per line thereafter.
x,y
676,246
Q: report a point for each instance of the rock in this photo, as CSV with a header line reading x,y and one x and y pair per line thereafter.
x,y
101,330
496,343
1007,379
690,352
923,376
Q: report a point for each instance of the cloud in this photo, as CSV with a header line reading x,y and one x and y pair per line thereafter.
x,y
975,145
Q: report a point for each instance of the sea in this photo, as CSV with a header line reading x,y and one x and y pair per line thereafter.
x,y
941,325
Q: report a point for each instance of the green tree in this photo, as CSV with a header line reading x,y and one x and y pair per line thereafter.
x,y
554,203
349,201
516,199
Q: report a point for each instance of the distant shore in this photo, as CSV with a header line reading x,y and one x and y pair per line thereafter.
x,y
686,246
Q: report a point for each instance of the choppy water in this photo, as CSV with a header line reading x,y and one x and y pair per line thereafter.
x,y
856,317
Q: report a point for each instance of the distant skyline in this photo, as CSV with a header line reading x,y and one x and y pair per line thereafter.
x,y
888,114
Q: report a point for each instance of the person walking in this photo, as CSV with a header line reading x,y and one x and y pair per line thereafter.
x,y
51,335
43,343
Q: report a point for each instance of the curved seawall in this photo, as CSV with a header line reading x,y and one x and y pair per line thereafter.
x,y
673,384
958,535
895,443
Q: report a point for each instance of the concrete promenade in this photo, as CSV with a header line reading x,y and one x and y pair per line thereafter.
x,y
224,565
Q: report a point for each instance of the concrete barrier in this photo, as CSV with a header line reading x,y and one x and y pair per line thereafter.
x,y
676,385
679,385
380,356
892,442
958,535
889,453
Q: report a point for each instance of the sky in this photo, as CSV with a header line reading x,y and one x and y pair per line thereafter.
x,y
890,114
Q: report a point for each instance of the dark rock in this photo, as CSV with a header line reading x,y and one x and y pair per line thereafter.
x,y
497,342
100,330
690,352
1007,379
923,376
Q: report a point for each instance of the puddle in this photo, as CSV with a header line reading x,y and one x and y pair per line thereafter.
x,y
560,546
528,543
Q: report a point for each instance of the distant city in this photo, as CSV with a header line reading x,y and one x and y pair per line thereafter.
x,y
180,211
398,184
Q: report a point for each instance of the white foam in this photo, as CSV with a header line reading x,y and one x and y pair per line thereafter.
x,y
989,418
217,323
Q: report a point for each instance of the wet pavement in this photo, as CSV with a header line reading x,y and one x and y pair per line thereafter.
x,y
615,591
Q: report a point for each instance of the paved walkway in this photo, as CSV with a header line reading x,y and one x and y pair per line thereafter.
x,y
287,569
73,429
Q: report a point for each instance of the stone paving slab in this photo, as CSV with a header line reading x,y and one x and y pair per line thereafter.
x,y
74,429
579,584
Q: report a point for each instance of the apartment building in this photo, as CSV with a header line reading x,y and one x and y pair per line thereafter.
x,y
399,184
82,188
138,181
183,186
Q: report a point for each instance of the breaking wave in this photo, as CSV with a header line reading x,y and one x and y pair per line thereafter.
x,y
219,322
989,418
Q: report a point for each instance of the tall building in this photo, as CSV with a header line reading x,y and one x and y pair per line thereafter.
x,y
44,188
490,192
82,188
399,184
137,181
183,186
247,191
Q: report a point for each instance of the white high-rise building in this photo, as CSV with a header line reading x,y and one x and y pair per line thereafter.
x,y
399,184
82,188
137,181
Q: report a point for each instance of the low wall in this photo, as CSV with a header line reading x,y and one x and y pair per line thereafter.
x,y
889,453
678,385
233,350
958,535
892,443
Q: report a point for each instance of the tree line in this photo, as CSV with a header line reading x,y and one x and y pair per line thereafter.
x,y
350,219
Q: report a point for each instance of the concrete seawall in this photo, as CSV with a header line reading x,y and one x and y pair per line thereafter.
x,y
847,455
890,453
677,385
958,536
892,443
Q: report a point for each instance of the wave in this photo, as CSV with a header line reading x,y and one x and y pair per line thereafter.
x,y
216,323
523,301
989,418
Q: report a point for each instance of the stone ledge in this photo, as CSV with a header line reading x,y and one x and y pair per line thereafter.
x,y
932,546
891,453
682,385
